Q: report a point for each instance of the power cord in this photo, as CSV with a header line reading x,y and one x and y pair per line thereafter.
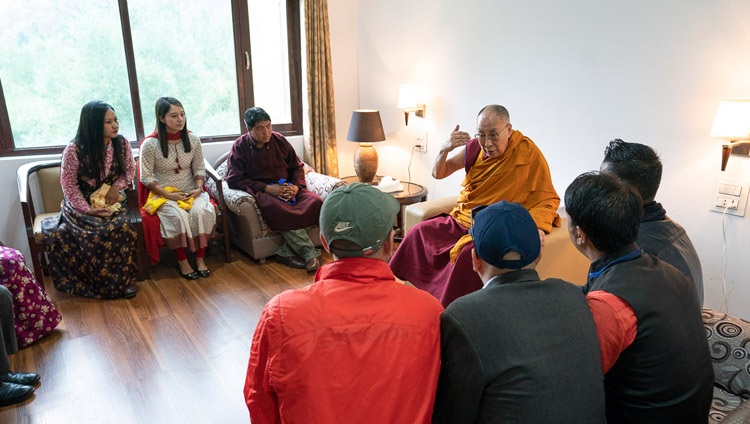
x,y
725,299
408,168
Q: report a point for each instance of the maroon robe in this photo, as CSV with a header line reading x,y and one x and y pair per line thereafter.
x,y
424,259
251,169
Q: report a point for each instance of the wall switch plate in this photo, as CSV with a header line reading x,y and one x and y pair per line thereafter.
x,y
732,196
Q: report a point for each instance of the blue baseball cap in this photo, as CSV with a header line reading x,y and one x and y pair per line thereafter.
x,y
501,228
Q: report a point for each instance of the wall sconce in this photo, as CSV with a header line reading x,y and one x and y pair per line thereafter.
x,y
732,123
366,128
409,102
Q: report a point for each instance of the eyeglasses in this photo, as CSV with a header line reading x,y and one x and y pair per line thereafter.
x,y
493,136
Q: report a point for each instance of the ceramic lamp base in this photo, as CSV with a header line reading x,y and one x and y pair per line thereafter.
x,y
366,162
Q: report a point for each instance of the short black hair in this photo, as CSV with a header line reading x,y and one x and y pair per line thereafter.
x,y
255,115
635,163
607,209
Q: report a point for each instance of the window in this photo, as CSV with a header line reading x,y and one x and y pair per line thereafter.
x,y
218,57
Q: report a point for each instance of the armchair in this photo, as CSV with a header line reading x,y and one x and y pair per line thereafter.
x,y
560,258
248,229
41,181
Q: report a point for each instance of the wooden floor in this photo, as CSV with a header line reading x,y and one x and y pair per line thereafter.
x,y
176,353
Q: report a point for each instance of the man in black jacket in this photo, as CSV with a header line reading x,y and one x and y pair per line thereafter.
x,y
640,166
519,350
655,358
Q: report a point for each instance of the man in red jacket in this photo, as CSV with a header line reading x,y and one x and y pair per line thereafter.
x,y
355,346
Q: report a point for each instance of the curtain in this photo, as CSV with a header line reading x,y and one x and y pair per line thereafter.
x,y
320,147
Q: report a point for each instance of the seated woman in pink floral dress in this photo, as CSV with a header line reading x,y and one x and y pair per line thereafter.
x,y
35,315
92,247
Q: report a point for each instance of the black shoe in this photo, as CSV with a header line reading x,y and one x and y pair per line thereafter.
x,y
22,378
129,292
189,276
291,261
204,273
11,393
313,264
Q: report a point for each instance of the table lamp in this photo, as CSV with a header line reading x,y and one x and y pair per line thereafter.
x,y
365,128
732,123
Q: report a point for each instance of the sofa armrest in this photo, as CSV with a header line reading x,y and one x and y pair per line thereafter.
x,y
560,258
233,198
418,212
322,184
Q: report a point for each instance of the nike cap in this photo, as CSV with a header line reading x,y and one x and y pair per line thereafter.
x,y
501,228
361,214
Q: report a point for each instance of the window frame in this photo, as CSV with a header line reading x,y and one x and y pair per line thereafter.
x,y
243,68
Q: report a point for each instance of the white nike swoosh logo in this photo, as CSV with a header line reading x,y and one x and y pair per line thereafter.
x,y
342,226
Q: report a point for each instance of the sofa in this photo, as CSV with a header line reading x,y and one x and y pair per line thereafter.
x,y
729,345
560,258
248,230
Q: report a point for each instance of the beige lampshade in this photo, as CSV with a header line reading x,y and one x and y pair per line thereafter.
x,y
732,121
407,96
366,128
410,100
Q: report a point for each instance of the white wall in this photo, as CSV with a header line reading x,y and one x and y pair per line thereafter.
x,y
574,75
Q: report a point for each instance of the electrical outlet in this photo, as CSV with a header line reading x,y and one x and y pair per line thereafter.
x,y
727,202
422,142
730,197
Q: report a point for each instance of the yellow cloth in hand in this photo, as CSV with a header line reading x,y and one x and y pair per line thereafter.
x,y
155,201
186,204
98,199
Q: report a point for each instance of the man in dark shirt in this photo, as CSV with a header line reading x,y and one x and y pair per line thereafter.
x,y
639,165
519,350
263,163
655,359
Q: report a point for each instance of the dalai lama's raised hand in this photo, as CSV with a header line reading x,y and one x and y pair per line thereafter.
x,y
446,162
458,138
